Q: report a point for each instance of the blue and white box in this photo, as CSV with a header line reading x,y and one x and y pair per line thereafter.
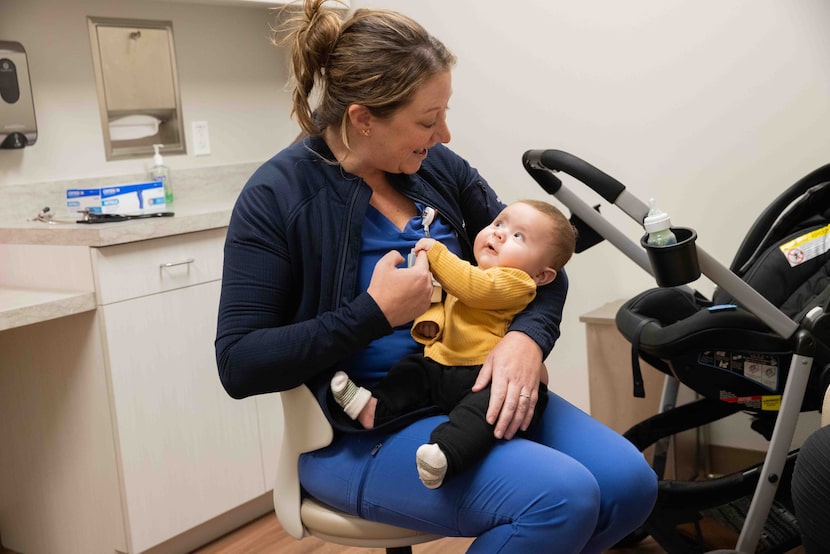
x,y
134,198
83,200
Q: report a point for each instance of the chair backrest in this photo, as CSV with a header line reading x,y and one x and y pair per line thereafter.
x,y
305,428
825,410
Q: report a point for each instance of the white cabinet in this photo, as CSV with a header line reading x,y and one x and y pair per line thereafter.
x,y
187,451
143,268
115,432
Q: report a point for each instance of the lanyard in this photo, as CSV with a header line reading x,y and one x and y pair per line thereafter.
x,y
427,217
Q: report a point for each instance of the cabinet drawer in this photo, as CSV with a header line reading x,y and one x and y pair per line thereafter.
x,y
151,266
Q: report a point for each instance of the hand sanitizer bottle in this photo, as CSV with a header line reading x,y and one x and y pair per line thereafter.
x,y
658,226
160,172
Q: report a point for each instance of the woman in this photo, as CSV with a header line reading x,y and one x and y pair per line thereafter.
x,y
312,285
811,490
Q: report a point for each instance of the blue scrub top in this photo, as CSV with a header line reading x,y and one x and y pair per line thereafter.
x,y
379,237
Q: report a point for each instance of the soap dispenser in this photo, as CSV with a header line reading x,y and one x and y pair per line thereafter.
x,y
161,173
18,127
658,226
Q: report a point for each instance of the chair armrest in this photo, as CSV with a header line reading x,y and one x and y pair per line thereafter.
x,y
305,428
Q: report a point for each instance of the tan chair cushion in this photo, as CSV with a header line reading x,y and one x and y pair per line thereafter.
x,y
339,527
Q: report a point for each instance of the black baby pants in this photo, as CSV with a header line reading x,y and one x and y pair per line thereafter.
x,y
418,382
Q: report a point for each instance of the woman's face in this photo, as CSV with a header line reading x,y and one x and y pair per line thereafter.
x,y
399,144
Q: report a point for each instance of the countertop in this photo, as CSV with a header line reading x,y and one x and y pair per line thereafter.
x,y
21,306
206,204
190,215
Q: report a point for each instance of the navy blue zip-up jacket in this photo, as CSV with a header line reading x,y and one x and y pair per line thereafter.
x,y
289,309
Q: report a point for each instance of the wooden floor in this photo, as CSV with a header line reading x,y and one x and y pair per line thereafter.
x,y
265,536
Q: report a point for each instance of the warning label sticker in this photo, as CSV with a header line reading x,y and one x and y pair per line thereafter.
x,y
761,371
760,367
766,403
806,247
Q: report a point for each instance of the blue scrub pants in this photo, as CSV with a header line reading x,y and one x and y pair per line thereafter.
x,y
572,485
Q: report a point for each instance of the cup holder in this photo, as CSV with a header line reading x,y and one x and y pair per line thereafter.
x,y
676,264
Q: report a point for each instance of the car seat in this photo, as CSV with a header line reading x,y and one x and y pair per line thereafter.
x,y
760,345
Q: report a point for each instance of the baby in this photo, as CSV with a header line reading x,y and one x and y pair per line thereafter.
x,y
523,248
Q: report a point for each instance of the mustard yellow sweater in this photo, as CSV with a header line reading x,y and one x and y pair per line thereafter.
x,y
479,306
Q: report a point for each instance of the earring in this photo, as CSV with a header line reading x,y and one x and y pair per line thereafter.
x,y
366,132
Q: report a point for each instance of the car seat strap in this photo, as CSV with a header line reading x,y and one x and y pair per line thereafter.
x,y
637,373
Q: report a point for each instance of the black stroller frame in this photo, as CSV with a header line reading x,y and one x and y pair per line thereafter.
x,y
677,271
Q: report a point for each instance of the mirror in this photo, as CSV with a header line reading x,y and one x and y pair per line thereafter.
x,y
138,88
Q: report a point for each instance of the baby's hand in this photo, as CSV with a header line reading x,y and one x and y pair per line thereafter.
x,y
427,329
424,245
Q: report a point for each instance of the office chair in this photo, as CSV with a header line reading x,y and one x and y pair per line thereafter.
x,y
305,428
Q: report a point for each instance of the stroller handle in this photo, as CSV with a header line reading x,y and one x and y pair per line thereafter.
x,y
542,164
557,160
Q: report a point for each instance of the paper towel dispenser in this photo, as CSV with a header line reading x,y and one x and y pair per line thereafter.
x,y
17,109
138,88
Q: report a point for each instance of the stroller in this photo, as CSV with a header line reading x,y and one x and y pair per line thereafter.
x,y
761,345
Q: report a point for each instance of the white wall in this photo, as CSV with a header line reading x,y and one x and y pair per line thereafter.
x,y
230,76
711,107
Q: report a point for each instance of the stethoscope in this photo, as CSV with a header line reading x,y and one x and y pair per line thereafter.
x,y
46,216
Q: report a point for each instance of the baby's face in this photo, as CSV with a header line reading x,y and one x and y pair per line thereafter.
x,y
519,237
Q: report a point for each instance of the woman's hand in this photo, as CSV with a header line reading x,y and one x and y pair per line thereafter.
x,y
514,369
402,294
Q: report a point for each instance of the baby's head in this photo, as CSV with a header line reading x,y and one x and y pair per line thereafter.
x,y
530,235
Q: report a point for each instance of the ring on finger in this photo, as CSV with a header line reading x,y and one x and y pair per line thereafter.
x,y
524,395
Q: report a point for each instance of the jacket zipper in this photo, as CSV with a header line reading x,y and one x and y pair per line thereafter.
x,y
483,191
341,262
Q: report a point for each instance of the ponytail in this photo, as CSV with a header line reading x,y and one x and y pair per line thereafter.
x,y
311,37
376,58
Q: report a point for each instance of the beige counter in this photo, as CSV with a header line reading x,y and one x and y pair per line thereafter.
x,y
20,305
191,215
204,201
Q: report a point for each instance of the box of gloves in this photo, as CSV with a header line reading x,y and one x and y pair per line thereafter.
x,y
133,198
83,200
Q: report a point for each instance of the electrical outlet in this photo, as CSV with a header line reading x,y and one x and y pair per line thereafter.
x,y
201,138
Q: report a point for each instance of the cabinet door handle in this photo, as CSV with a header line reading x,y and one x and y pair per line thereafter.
x,y
174,264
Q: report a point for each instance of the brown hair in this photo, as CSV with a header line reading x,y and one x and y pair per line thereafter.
x,y
376,58
564,233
